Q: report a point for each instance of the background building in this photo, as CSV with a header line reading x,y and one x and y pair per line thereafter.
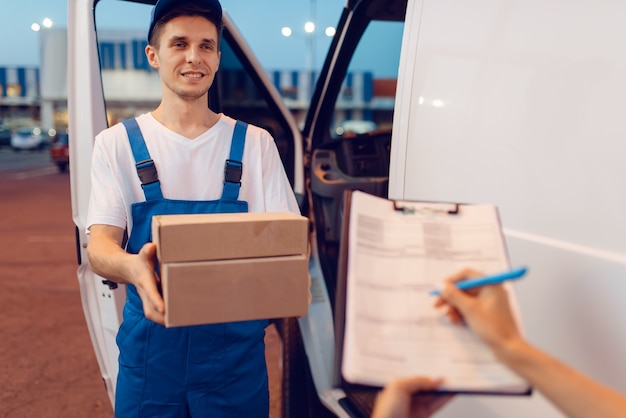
x,y
31,96
19,94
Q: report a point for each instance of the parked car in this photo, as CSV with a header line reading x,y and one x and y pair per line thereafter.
x,y
60,151
30,139
5,136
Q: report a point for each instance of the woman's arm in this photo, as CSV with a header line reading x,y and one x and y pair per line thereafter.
x,y
488,313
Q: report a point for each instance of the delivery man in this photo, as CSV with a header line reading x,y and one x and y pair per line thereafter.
x,y
181,158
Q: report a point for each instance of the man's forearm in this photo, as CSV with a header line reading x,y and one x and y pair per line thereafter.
x,y
105,255
108,261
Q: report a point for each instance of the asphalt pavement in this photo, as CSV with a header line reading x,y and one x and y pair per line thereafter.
x,y
47,364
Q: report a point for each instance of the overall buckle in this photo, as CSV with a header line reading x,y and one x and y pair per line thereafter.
x,y
232,171
146,170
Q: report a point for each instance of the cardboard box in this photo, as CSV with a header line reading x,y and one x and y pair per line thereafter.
x,y
235,290
224,236
232,267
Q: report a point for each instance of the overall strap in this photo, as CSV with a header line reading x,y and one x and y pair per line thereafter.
x,y
146,170
234,165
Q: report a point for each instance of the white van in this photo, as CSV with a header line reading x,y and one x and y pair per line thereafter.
x,y
509,102
520,104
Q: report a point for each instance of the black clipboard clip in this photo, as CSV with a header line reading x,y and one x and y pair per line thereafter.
x,y
426,208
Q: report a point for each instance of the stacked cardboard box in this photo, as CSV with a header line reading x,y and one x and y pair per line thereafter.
x,y
232,266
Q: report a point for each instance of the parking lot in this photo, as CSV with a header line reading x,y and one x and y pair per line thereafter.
x,y
26,160
47,364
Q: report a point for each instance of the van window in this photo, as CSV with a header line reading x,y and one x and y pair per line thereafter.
x,y
367,97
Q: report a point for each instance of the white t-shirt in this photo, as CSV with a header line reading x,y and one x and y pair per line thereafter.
x,y
187,169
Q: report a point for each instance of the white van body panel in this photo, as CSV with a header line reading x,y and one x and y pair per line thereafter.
x,y
521,104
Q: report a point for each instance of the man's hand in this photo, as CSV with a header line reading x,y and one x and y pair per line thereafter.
x,y
108,259
146,281
401,399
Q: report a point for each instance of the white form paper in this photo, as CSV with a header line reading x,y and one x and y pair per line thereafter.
x,y
395,258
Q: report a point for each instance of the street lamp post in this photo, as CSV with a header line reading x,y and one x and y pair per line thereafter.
x,y
46,107
309,28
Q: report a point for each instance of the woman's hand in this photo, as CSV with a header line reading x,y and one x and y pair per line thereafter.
x,y
401,398
486,310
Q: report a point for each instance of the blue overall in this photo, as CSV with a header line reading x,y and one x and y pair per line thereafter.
x,y
213,370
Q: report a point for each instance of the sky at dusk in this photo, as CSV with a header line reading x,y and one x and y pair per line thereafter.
x,y
260,22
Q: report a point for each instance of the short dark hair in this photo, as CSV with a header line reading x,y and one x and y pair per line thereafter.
x,y
186,9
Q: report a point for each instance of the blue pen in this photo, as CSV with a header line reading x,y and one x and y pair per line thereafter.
x,y
482,281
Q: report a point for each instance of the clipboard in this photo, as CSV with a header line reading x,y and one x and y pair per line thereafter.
x,y
411,208
362,391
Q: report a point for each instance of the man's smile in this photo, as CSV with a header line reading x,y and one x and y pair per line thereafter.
x,y
196,75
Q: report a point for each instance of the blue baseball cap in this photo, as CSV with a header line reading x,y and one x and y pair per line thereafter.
x,y
162,7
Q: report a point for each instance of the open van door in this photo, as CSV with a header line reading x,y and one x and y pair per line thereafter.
x,y
109,80
347,142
